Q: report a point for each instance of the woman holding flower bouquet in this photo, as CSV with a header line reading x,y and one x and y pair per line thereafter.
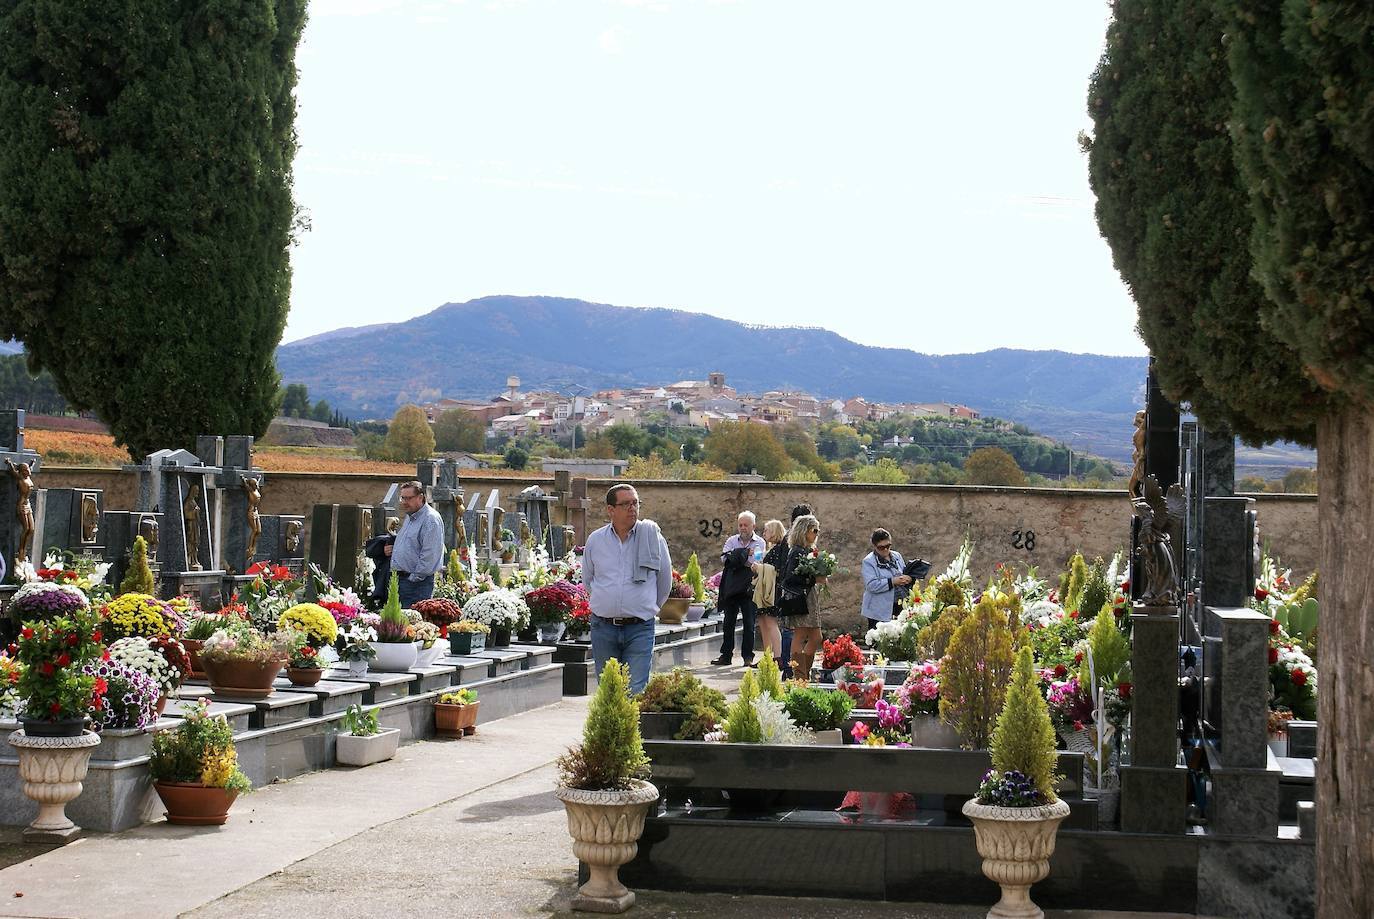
x,y
798,602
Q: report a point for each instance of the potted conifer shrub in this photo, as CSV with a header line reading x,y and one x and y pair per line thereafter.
x,y
602,786
363,742
395,644
1016,813
678,706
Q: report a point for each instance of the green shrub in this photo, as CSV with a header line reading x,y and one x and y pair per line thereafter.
x,y
770,677
975,673
611,755
816,708
1024,738
692,575
139,578
681,691
742,720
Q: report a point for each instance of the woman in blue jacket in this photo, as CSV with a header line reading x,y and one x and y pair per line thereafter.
x,y
884,584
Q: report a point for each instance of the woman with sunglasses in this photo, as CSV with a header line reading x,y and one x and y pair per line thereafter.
x,y
885,586
799,606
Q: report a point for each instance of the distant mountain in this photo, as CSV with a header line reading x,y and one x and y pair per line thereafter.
x,y
468,349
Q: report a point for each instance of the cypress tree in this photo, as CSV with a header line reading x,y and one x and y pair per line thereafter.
x,y
1298,105
1172,206
1024,737
139,578
145,170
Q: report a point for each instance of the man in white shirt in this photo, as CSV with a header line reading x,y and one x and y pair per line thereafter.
x,y
736,599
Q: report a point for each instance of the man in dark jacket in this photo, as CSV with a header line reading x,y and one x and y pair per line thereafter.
x,y
375,549
736,595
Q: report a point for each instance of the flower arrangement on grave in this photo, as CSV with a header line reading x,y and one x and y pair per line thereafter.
x,y
300,654
1022,746
342,611
681,590
555,602
186,607
440,611
162,660
1070,706
580,619
200,751
130,698
205,624
896,639
355,643
427,633
498,609
138,615
1292,678
919,694
975,673
313,621
468,625
680,690
463,696
271,592
611,755
138,577
239,641
393,627
80,570
46,600
841,651
863,684
817,709
893,728
10,669
51,684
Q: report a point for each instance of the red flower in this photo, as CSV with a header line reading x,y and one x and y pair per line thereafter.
x,y
97,702
1124,689
73,639
96,637
1078,725
1078,658
1060,671
1299,677
46,668
105,655
55,708
101,687
1073,614
26,632
1273,627
1273,655
64,659
307,651
1261,593
1126,587
258,568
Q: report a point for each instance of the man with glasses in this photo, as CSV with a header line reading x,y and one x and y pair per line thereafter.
x,y
418,551
736,599
885,583
628,574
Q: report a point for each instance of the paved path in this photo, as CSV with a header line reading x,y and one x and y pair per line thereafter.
x,y
447,828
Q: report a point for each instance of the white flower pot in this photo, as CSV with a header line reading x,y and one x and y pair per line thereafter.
x,y
393,656
426,657
356,668
353,750
929,731
605,827
1016,844
53,769
833,737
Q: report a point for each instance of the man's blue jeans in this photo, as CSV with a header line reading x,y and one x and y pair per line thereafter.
x,y
631,644
412,592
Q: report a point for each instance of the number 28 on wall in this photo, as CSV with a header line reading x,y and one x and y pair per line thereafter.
x,y
1023,539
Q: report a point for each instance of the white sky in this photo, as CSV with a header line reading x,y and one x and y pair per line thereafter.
x,y
775,161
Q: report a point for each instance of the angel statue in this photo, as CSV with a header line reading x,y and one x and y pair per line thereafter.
x,y
1159,515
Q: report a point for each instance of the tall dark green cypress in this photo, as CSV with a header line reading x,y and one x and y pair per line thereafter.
x,y
1174,210
145,206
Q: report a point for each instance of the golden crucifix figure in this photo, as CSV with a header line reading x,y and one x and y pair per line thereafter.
x,y
23,508
252,488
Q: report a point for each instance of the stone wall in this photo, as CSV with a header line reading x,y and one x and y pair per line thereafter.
x,y
1037,526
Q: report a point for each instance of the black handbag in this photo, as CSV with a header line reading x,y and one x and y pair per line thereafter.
x,y
917,569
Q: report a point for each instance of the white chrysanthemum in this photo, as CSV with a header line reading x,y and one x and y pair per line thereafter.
x,y
497,608
776,726
135,652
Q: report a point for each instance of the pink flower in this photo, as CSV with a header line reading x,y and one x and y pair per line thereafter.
x,y
859,732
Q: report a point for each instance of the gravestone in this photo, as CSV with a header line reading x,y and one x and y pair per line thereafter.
x,y
22,503
239,486
179,486
472,526
120,528
534,510
337,535
73,521
570,498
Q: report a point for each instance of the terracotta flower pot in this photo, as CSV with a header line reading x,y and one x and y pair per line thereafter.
x,y
161,704
605,827
242,679
194,804
304,676
1016,844
455,720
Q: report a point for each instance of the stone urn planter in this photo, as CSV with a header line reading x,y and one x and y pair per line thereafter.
x,y
605,827
1016,844
393,656
242,679
194,804
357,750
53,769
674,610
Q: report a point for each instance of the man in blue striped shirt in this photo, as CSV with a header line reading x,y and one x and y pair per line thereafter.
x,y
419,548
628,574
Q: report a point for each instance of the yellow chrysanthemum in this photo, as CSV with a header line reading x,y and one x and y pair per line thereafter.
x,y
314,620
